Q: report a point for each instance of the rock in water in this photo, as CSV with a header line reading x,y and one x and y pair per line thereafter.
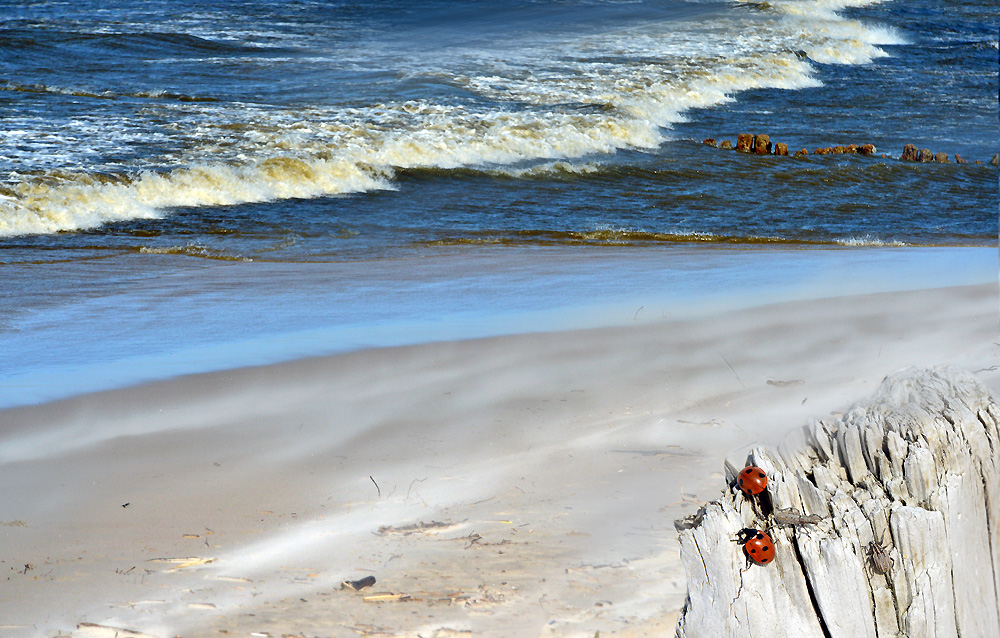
x,y
762,144
913,465
726,144
925,155
941,158
866,149
781,148
744,142
709,142
910,153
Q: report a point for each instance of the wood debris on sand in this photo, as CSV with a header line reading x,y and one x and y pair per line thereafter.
x,y
183,563
93,630
415,528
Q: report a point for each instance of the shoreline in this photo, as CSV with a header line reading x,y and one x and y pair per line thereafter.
x,y
512,485
125,321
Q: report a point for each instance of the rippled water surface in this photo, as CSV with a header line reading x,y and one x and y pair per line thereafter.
x,y
319,130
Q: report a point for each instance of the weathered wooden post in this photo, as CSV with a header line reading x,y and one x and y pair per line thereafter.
x,y
915,466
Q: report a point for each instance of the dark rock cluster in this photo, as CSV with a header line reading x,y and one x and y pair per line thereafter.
x,y
852,149
911,154
761,145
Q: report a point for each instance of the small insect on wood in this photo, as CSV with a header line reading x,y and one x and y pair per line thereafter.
x,y
790,517
757,546
752,481
879,559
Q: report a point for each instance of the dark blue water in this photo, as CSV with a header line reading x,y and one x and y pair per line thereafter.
x,y
318,130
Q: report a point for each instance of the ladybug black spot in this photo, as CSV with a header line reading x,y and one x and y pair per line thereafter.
x,y
753,551
763,560
759,535
762,475
764,548
748,471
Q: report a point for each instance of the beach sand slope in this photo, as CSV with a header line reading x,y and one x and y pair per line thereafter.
x,y
515,486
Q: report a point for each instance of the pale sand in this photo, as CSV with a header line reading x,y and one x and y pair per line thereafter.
x,y
548,470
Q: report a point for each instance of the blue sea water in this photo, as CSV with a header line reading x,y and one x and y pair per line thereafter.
x,y
432,145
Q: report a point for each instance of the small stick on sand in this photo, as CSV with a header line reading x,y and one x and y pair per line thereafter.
x,y
733,371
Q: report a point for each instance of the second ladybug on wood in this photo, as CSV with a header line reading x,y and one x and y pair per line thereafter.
x,y
752,480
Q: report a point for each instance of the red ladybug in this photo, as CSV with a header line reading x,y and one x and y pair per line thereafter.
x,y
757,546
752,480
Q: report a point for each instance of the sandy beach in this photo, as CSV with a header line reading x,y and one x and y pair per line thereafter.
x,y
521,485
464,303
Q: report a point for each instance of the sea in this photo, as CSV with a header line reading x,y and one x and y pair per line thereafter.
x,y
201,185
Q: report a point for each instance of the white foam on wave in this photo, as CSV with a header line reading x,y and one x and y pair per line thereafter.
x,y
870,241
308,159
829,38
81,201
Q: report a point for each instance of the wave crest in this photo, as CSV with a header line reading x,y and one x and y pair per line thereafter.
x,y
55,202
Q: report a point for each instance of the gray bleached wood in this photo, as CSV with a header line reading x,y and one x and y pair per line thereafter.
x,y
915,465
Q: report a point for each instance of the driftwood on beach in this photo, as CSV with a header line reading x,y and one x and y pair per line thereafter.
x,y
916,466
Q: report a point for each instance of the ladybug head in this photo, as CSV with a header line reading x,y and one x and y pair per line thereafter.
x,y
745,534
